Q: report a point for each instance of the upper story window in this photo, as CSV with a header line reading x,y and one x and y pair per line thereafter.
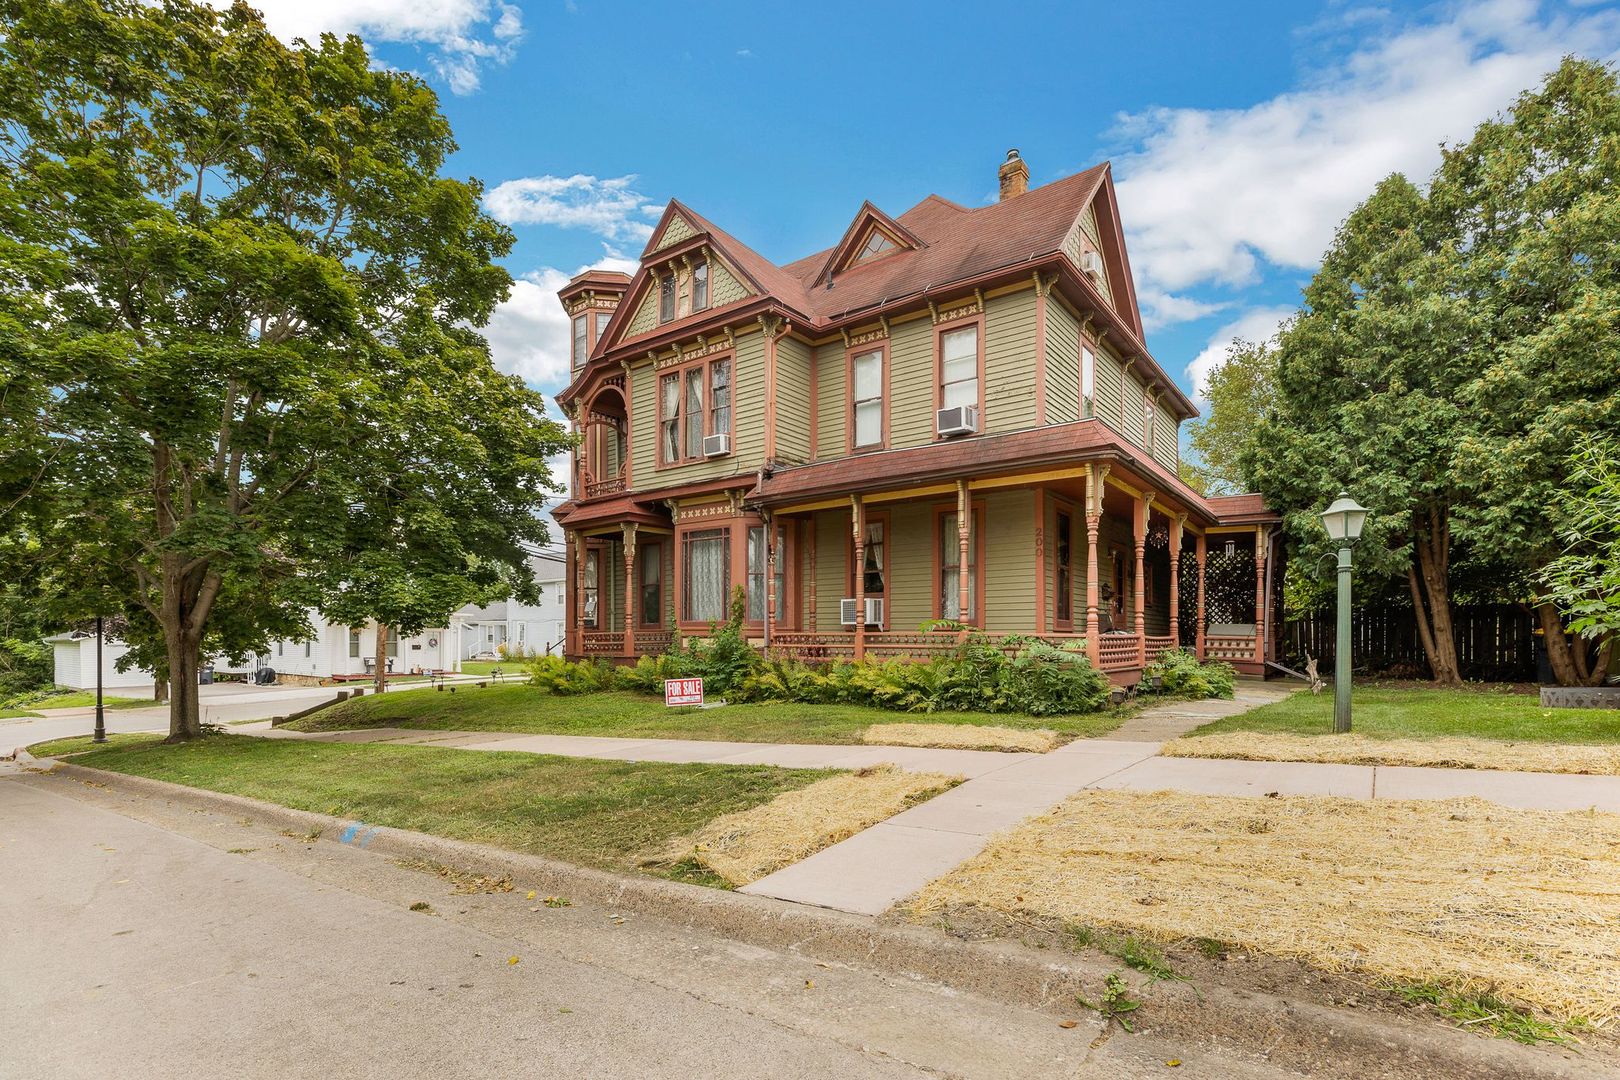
x,y
1088,383
1150,415
866,399
581,348
959,367
602,318
700,286
693,401
877,243
666,299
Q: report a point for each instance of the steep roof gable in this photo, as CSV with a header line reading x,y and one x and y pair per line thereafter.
x,y
872,234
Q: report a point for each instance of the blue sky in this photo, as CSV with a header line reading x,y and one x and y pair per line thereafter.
x,y
1241,134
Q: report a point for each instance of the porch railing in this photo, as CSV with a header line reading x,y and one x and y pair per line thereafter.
x,y
612,485
653,642
1228,647
1119,651
1156,645
603,643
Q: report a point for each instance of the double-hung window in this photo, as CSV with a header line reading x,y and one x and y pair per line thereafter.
x,y
959,367
1088,383
866,399
873,569
756,574
580,349
354,642
706,575
692,413
1149,417
951,568
719,397
669,417
700,286
650,560
592,590
666,299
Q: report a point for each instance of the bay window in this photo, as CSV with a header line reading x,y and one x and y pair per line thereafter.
x,y
959,367
592,589
866,399
705,575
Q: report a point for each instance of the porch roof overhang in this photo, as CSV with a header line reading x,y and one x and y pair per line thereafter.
x,y
1030,451
622,510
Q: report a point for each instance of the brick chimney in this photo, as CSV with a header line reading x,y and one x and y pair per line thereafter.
x,y
1014,176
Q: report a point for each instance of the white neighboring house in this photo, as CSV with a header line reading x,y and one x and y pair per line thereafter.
x,y
337,651
75,656
538,628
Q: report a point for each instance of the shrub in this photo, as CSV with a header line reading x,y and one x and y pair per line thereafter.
x,y
1183,674
554,675
24,666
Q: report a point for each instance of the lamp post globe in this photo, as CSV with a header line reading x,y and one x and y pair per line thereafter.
x,y
1343,521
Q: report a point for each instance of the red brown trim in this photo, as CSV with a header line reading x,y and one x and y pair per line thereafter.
x,y
941,512
881,347
940,330
869,518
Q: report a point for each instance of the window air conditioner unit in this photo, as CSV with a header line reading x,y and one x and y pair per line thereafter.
x,y
848,606
716,445
962,420
1091,263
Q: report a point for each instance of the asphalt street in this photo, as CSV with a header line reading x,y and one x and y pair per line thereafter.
x,y
143,938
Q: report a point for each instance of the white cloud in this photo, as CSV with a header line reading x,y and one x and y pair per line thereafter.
x,y
458,37
1256,325
609,207
528,334
1214,196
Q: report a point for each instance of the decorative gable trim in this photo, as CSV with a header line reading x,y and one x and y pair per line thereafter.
x,y
869,221
672,229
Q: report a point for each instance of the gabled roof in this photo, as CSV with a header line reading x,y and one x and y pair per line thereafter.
x,y
867,220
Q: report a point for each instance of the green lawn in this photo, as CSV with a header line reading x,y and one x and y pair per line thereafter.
x,y
75,744
509,668
29,705
608,814
519,707
1421,712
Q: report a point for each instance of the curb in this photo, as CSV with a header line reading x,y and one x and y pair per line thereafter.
x,y
1320,1040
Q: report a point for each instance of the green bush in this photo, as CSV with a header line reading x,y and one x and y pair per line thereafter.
x,y
1185,676
24,666
554,675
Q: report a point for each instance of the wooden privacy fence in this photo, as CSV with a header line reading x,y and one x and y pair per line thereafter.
x,y
1495,643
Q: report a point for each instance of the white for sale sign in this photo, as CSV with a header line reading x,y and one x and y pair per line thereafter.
x,y
683,691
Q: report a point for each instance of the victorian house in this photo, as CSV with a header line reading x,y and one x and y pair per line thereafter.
x,y
948,416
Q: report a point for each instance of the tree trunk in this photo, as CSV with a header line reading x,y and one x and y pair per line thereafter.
x,y
160,691
1430,582
1568,655
185,717
382,657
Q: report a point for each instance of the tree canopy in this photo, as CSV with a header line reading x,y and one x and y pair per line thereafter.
x,y
239,330
1451,351
1241,390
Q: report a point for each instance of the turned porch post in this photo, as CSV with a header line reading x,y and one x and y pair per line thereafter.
x,y
1144,507
857,517
581,549
1260,597
809,621
629,532
1176,524
964,533
773,536
570,595
1198,553
1093,522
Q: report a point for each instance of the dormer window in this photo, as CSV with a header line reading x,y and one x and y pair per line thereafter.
x,y
666,299
700,286
877,243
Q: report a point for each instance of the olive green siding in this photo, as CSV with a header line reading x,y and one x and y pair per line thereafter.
x,y
910,583
1166,438
792,401
747,425
1062,365
1009,555
646,315
911,383
678,229
829,390
1110,375
1132,395
832,567
1009,362
1077,563
724,287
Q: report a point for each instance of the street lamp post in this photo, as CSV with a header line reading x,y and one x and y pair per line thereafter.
x,y
101,713
1343,521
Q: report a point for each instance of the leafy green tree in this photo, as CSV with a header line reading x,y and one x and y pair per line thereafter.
x,y
1367,400
1240,392
1533,199
1584,582
238,291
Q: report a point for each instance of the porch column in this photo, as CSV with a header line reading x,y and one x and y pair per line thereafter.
x,y
1198,553
1093,523
809,621
1260,597
1175,579
571,597
773,537
629,532
1144,507
964,534
580,546
857,518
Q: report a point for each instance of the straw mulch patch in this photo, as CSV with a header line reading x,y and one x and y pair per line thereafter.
x,y
1450,753
745,846
962,737
1477,897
